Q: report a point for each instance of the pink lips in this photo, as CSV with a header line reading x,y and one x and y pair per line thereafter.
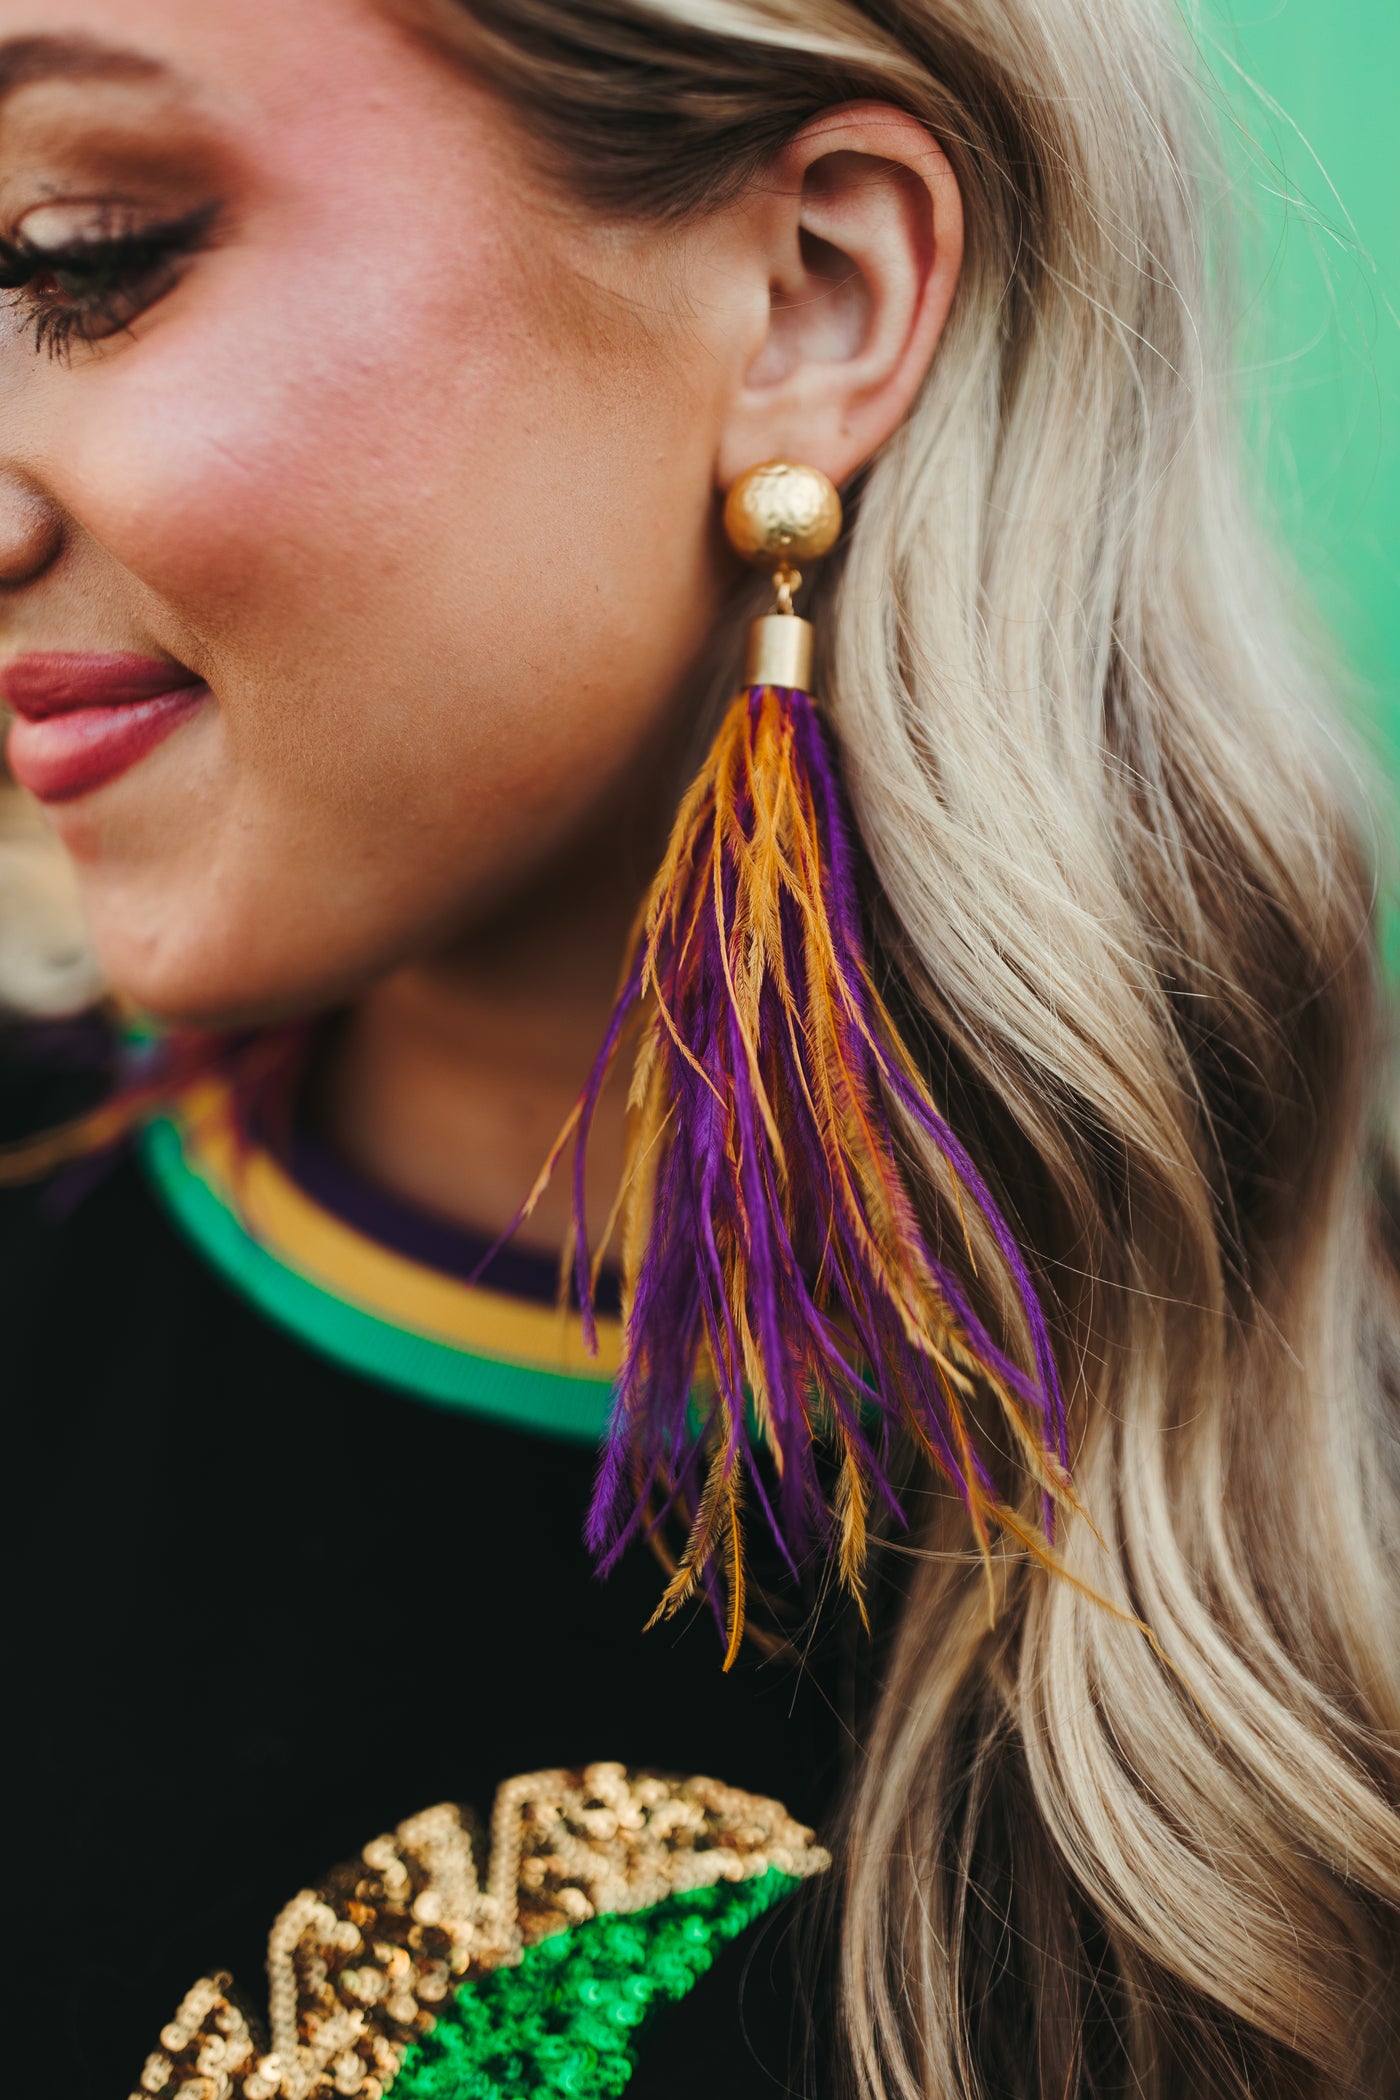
x,y
86,718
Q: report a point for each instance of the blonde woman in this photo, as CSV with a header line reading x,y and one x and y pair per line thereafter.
x,y
374,375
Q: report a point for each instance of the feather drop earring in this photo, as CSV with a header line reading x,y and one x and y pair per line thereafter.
x,y
780,1293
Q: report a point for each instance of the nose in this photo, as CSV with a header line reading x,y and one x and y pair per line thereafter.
x,y
30,531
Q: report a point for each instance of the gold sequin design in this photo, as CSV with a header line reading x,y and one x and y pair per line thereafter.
x,y
357,1967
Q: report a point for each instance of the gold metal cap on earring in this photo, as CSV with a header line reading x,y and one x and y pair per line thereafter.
x,y
776,515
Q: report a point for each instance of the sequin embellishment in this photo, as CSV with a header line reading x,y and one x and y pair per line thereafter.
x,y
563,2022
606,1892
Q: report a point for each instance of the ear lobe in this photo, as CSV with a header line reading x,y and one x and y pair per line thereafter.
x,y
859,226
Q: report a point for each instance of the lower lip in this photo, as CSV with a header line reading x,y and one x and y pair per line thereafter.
x,y
67,755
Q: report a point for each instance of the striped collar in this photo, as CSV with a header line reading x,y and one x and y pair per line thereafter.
x,y
374,1311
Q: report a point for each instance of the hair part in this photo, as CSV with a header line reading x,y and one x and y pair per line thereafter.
x,y
1120,876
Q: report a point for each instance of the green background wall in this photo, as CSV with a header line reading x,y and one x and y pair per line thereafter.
x,y
1315,85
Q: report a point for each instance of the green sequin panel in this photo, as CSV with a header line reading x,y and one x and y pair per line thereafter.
x,y
566,2021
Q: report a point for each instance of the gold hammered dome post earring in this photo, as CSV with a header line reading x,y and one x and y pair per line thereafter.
x,y
780,1294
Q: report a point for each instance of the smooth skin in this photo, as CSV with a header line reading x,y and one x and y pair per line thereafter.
x,y
417,465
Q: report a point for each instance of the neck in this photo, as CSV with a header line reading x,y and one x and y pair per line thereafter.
x,y
450,1080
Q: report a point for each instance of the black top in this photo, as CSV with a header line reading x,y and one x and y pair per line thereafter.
x,y
262,1609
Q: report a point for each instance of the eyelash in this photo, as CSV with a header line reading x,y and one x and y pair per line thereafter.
x,y
108,279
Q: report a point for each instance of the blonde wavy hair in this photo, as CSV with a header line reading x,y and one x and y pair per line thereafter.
x,y
1120,868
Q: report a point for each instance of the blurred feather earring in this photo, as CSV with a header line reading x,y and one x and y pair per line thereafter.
x,y
779,1291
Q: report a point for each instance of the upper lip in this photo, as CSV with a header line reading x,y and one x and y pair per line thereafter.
x,y
56,682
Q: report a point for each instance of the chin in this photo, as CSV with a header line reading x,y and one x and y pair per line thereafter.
x,y
209,978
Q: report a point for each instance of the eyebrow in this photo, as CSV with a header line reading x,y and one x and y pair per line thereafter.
x,y
26,59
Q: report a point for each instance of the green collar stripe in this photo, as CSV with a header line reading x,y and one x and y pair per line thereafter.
x,y
548,1403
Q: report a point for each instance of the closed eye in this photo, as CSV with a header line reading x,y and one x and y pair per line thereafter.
x,y
98,283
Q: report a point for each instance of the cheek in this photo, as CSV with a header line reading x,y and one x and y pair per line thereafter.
x,y
293,436
413,548
334,467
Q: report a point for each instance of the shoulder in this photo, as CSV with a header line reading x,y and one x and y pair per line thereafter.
x,y
50,1074
51,1071
89,1265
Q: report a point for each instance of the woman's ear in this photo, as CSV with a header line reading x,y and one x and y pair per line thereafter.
x,y
857,224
